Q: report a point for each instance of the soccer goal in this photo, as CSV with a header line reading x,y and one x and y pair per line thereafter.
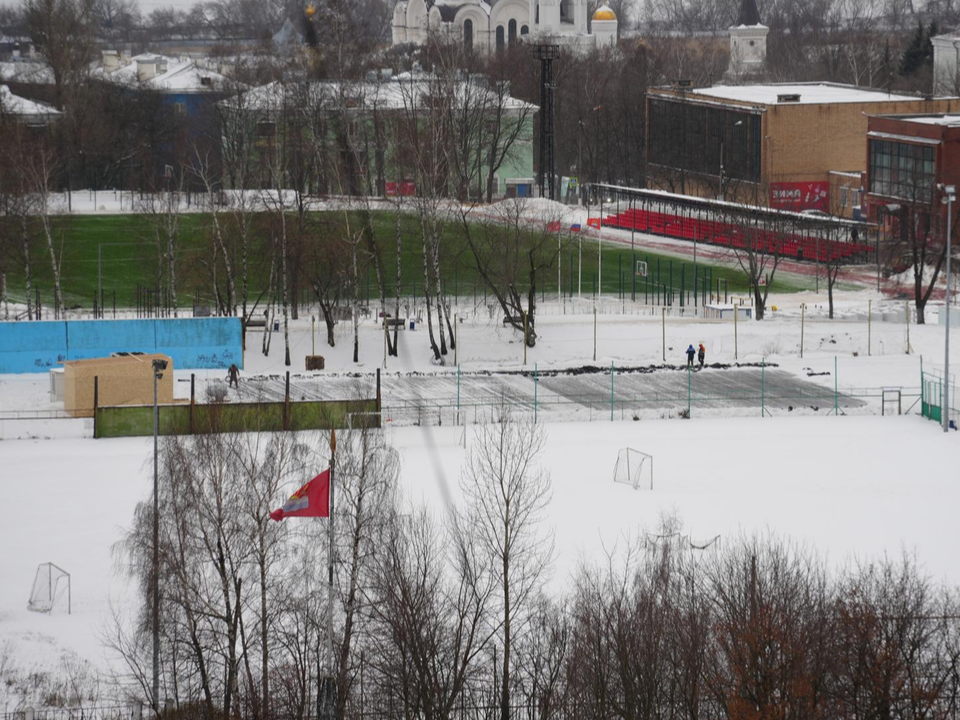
x,y
634,468
50,585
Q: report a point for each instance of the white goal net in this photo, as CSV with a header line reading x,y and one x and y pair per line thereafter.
x,y
51,587
634,468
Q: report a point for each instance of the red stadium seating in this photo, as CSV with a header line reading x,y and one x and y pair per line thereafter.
x,y
714,232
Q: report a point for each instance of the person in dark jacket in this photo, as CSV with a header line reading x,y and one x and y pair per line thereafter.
x,y
701,354
233,375
690,353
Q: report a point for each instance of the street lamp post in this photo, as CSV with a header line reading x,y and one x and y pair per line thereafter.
x,y
158,367
949,196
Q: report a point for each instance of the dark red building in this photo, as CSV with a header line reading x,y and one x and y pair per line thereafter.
x,y
908,156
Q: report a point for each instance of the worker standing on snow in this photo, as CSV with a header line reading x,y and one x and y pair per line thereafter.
x,y
701,354
233,375
690,353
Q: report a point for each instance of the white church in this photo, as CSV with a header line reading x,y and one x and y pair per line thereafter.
x,y
489,27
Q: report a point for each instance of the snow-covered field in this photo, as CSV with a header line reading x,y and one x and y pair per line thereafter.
x,y
850,487
853,487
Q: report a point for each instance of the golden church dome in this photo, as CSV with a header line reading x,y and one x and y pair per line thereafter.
x,y
604,12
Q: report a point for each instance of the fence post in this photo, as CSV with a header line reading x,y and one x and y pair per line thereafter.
x,y
380,397
611,390
664,323
458,392
869,326
286,403
736,351
536,397
836,388
689,384
803,312
96,404
594,333
763,370
906,314
193,379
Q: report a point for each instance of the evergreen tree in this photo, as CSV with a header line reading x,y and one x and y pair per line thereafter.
x,y
913,56
932,32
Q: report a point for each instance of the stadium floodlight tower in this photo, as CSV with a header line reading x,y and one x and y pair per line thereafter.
x,y
949,197
546,170
158,367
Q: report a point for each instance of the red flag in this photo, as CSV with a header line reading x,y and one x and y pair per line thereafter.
x,y
312,500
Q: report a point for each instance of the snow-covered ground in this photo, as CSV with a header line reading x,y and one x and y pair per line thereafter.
x,y
854,487
848,486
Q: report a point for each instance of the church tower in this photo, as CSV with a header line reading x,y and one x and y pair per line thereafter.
x,y
748,43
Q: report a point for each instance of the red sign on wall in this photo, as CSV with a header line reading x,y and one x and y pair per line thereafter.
x,y
405,188
800,196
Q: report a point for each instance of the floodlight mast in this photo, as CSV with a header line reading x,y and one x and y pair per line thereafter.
x,y
159,366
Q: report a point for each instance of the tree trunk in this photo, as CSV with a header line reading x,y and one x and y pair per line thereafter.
x,y
54,265
426,292
396,328
356,302
435,256
25,240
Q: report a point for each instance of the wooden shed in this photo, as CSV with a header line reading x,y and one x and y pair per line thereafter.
x,y
123,380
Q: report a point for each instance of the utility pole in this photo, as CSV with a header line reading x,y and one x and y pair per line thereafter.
x,y
949,196
158,367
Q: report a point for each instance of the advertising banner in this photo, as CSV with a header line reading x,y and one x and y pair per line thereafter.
x,y
799,196
405,188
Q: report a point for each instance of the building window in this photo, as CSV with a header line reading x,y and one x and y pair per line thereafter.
x,y
468,33
524,30
902,170
180,108
700,138
512,31
849,197
267,129
500,41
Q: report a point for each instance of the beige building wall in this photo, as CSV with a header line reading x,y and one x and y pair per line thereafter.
x,y
124,380
805,142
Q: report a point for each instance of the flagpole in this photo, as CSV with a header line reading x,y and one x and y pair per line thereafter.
x,y
333,452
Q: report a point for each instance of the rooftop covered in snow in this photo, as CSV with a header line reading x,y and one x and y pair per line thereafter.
x,y
809,94
22,107
161,73
395,94
942,119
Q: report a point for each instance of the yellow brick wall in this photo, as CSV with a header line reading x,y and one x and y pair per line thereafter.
x,y
805,142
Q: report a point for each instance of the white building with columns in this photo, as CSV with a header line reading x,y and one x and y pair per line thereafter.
x,y
490,27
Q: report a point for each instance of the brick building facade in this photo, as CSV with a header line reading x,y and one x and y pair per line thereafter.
x,y
794,146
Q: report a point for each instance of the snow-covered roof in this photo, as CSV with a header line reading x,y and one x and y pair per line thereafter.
x,y
16,105
949,37
26,72
393,95
946,120
810,93
181,75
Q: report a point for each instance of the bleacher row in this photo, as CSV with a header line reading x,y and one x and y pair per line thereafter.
x,y
714,232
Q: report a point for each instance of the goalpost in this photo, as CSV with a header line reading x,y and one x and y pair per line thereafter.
x,y
50,584
634,468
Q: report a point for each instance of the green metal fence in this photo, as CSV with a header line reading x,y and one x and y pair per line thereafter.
x,y
188,419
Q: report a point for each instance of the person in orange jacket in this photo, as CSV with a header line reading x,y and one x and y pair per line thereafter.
x,y
701,354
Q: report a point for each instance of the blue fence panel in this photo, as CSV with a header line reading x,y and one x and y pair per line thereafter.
x,y
32,346
192,343
99,338
201,342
